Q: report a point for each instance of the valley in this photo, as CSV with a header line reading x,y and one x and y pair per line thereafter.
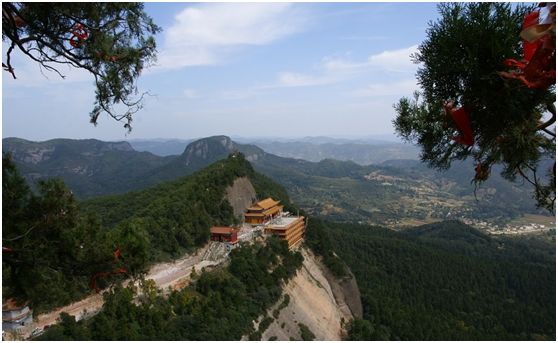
x,y
392,193
279,171
173,218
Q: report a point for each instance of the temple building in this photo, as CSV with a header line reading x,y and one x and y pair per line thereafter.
x,y
224,234
16,315
290,229
263,211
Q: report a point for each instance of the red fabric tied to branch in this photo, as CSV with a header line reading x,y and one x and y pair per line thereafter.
x,y
529,48
461,118
93,283
117,254
79,35
538,67
462,122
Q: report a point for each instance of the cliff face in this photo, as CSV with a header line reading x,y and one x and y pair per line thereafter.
x,y
39,152
316,300
240,195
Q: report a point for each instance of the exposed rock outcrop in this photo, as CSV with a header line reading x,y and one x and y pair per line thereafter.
x,y
240,195
345,291
315,300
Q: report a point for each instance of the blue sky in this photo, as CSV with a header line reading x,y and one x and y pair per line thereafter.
x,y
252,69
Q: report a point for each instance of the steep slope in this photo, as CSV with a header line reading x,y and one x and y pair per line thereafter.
x,y
177,214
78,240
316,300
199,154
218,305
241,195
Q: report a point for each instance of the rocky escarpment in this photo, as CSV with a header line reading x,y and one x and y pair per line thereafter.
x,y
240,195
38,152
317,303
345,291
207,150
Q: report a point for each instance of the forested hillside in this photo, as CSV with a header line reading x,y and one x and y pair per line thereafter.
x,y
339,190
89,167
445,281
219,305
55,245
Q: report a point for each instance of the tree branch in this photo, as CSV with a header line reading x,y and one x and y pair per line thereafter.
x,y
525,176
20,236
552,109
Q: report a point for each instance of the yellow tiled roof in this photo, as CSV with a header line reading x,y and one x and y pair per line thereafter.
x,y
267,203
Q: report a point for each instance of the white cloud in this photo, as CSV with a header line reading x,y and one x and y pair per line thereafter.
x,y
205,34
395,60
288,79
333,70
389,61
399,88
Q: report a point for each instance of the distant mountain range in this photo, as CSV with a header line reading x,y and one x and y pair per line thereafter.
x,y
89,167
363,151
338,190
161,147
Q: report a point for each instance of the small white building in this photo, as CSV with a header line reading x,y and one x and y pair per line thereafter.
x,y
15,315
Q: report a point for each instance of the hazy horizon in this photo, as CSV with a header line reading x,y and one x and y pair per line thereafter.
x,y
354,138
249,70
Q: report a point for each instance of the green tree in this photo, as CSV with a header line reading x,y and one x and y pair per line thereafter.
x,y
111,40
459,61
132,238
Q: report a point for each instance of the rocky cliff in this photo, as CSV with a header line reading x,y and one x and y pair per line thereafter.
x,y
316,301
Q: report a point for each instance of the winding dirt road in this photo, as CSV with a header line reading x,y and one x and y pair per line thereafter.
x,y
175,274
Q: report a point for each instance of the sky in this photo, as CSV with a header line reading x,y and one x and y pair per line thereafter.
x,y
249,70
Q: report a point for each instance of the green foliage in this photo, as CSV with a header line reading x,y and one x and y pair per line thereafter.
x,y
58,246
395,190
305,333
337,190
89,167
447,281
319,241
53,248
284,303
264,324
460,60
132,239
119,43
176,215
221,305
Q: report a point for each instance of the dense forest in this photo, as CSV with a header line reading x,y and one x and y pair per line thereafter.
x,y
219,305
444,281
55,244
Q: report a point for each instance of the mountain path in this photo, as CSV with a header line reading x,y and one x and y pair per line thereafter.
x,y
174,274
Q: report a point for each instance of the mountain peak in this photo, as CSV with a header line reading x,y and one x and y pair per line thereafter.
x,y
206,150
